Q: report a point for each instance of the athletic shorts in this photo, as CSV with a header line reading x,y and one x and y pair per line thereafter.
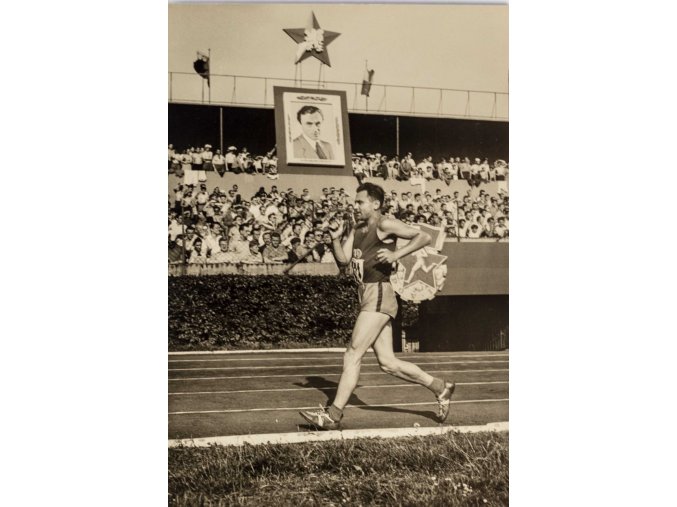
x,y
377,297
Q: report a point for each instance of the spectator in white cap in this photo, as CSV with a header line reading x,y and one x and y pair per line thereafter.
x,y
231,159
501,169
207,156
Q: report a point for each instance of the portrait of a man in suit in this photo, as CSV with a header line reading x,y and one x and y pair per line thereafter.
x,y
309,144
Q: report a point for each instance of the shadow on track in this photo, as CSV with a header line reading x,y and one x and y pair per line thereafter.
x,y
428,414
328,388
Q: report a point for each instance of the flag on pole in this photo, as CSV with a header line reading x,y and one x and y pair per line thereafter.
x,y
366,81
201,66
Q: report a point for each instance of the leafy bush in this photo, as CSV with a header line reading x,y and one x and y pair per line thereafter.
x,y
247,312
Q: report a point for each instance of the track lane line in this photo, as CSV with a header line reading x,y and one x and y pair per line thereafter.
x,y
245,410
317,366
324,358
327,388
327,374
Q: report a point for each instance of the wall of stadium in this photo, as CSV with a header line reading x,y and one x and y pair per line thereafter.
x,y
475,269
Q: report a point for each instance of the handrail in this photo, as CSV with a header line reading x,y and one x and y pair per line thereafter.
x,y
346,82
461,106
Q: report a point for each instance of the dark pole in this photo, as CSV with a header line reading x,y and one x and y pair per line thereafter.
x,y
183,242
221,129
209,79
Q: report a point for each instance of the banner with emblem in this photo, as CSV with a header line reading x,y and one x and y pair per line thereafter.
x,y
421,275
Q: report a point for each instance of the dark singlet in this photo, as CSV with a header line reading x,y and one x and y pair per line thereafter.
x,y
366,245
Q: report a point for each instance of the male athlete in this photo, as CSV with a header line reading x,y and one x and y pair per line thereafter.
x,y
370,248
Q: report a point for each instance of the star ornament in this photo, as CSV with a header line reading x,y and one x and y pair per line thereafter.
x,y
312,41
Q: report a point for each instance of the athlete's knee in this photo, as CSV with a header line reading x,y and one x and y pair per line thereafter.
x,y
352,355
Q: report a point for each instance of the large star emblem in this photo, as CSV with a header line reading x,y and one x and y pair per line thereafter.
x,y
425,273
312,41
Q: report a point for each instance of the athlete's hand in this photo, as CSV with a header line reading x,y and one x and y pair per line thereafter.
x,y
386,256
336,228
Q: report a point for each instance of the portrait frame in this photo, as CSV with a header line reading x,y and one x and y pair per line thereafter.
x,y
295,155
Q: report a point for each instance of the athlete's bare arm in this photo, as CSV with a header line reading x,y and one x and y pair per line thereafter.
x,y
389,226
342,251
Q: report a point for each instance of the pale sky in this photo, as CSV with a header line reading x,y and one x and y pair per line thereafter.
x,y
441,46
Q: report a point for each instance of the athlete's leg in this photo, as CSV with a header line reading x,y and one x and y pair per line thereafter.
x,y
383,347
443,390
367,328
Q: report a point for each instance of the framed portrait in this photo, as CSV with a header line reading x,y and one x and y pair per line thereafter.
x,y
312,131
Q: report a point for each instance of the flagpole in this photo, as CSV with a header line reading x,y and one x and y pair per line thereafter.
x,y
221,129
366,68
209,75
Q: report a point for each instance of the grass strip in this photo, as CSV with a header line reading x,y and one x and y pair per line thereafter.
x,y
442,470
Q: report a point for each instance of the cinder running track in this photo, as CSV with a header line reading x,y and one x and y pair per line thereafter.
x,y
222,395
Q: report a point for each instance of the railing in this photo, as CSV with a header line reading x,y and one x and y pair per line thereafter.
x,y
255,91
179,269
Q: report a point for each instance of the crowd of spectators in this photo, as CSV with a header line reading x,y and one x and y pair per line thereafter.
x,y
274,226
445,169
192,164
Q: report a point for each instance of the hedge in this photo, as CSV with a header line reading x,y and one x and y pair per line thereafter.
x,y
249,312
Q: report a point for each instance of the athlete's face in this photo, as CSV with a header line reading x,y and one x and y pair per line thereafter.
x,y
364,206
311,125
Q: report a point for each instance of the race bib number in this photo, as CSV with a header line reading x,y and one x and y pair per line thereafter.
x,y
358,269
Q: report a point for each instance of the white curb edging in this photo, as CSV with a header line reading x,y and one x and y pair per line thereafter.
x,y
323,436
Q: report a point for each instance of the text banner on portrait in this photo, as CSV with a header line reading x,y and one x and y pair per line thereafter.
x,y
312,131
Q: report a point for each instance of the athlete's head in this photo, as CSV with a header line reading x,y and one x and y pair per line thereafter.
x,y
369,199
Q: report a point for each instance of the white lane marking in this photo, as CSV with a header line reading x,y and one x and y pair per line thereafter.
x,y
327,374
243,410
317,436
324,358
327,388
277,351
314,366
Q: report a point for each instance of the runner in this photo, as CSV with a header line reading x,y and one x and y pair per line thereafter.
x,y
370,249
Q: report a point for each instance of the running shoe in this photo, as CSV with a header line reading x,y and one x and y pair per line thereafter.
x,y
320,419
443,401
